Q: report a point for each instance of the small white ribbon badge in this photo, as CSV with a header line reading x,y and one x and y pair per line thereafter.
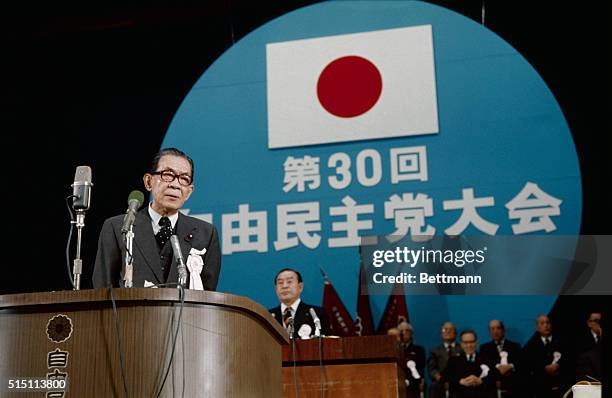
x,y
195,264
556,357
412,366
485,371
504,358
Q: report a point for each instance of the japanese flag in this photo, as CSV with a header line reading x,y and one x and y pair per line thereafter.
x,y
351,87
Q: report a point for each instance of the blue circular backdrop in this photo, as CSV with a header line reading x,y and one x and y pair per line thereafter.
x,y
499,128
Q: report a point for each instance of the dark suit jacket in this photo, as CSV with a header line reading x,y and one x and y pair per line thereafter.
x,y
586,342
458,368
490,355
192,233
589,364
414,353
438,359
536,356
302,317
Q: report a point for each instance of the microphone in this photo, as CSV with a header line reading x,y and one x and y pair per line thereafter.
x,y
290,327
316,321
180,262
135,200
81,191
81,188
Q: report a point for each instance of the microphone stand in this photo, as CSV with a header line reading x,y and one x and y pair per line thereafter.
x,y
77,265
129,258
290,328
317,335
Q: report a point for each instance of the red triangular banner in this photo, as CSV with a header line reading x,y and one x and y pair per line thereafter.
x,y
364,324
396,310
341,322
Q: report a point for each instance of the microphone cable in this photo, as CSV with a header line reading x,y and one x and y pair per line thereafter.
x,y
72,222
119,343
175,338
321,373
320,346
297,390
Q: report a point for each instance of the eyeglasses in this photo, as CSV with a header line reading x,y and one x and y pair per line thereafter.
x,y
468,342
169,176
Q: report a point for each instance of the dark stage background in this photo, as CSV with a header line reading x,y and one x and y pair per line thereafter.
x,y
98,84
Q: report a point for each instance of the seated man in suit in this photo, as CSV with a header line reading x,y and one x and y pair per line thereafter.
x,y
395,332
438,359
413,360
170,182
593,335
590,350
546,361
289,286
503,358
467,374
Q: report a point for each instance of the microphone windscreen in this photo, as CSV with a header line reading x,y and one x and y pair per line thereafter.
x,y
136,195
176,248
82,174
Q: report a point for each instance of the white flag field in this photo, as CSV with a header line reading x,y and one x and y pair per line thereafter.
x,y
350,87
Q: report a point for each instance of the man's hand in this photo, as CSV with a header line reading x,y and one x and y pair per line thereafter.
x,y
466,381
504,369
552,369
596,329
470,381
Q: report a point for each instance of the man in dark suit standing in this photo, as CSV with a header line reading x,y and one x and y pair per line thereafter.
x,y
546,362
170,182
292,311
438,359
467,373
590,350
503,358
413,360
593,336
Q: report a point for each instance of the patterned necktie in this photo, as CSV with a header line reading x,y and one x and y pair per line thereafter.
x,y
471,358
164,233
286,316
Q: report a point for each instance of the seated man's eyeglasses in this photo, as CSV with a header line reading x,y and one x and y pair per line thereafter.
x,y
468,341
169,176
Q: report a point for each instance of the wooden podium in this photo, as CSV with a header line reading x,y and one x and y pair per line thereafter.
x,y
229,345
352,367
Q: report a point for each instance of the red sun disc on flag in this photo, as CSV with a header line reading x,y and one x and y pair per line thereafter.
x,y
349,86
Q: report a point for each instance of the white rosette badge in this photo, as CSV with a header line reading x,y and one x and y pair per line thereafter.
x,y
304,332
485,371
195,264
413,370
